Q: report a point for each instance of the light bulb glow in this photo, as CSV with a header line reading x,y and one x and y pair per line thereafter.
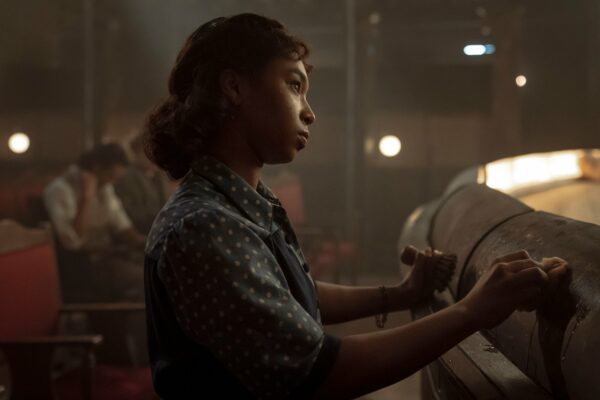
x,y
474,50
374,18
479,49
521,80
18,143
390,146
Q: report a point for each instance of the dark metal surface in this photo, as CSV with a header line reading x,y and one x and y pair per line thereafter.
x,y
537,342
474,369
580,354
553,350
465,217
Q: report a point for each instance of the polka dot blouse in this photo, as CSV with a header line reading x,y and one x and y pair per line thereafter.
x,y
231,307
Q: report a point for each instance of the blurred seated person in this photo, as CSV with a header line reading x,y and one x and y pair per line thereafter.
x,y
143,190
98,247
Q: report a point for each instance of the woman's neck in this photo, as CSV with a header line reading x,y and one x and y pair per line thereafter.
x,y
234,152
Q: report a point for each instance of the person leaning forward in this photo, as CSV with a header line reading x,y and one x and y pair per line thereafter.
x,y
231,307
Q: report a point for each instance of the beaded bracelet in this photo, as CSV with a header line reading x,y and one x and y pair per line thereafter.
x,y
381,319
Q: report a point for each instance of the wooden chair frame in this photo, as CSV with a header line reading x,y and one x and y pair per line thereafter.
x,y
30,359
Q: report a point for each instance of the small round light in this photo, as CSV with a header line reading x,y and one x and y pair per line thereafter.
x,y
390,146
521,80
481,12
18,143
374,18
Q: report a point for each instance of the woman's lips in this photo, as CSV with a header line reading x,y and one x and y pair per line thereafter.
x,y
303,138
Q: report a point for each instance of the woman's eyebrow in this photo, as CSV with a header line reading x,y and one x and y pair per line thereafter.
x,y
302,75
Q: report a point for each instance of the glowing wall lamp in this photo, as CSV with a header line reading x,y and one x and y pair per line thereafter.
x,y
521,80
390,146
18,142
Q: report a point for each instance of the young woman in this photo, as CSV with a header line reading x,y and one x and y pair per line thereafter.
x,y
232,310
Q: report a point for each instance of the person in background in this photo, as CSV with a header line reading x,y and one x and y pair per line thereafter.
x,y
143,189
95,236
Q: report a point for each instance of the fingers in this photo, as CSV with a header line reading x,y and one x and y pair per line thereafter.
x,y
549,269
534,282
558,271
443,270
419,268
529,286
531,276
531,299
518,265
556,274
556,268
420,259
552,262
433,271
409,254
519,255
447,264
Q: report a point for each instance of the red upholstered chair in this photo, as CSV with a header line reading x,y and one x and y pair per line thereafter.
x,y
30,308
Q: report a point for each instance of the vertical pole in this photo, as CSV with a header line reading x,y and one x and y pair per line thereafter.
x,y
593,63
89,138
350,211
506,104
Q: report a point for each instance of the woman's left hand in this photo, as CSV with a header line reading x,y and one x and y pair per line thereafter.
x,y
431,271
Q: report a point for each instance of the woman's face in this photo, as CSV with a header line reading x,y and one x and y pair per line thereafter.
x,y
275,112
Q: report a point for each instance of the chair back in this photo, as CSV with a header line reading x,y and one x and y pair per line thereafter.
x,y
29,285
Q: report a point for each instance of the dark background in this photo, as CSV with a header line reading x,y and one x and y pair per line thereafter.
x,y
409,74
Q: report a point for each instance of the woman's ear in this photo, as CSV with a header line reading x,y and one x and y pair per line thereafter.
x,y
231,86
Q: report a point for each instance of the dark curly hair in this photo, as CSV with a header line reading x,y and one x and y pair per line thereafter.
x,y
103,155
179,128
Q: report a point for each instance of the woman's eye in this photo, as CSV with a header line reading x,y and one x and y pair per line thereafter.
x,y
296,86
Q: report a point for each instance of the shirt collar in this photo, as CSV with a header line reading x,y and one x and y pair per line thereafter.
x,y
257,204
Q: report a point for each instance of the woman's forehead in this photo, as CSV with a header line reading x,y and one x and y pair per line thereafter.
x,y
284,65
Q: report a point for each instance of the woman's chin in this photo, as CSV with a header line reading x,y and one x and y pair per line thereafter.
x,y
283,158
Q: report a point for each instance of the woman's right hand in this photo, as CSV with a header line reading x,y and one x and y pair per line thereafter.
x,y
514,281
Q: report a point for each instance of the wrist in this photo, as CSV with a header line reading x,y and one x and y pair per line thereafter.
x,y
381,318
470,318
399,297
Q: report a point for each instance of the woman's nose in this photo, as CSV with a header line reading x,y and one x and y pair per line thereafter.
x,y
307,115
